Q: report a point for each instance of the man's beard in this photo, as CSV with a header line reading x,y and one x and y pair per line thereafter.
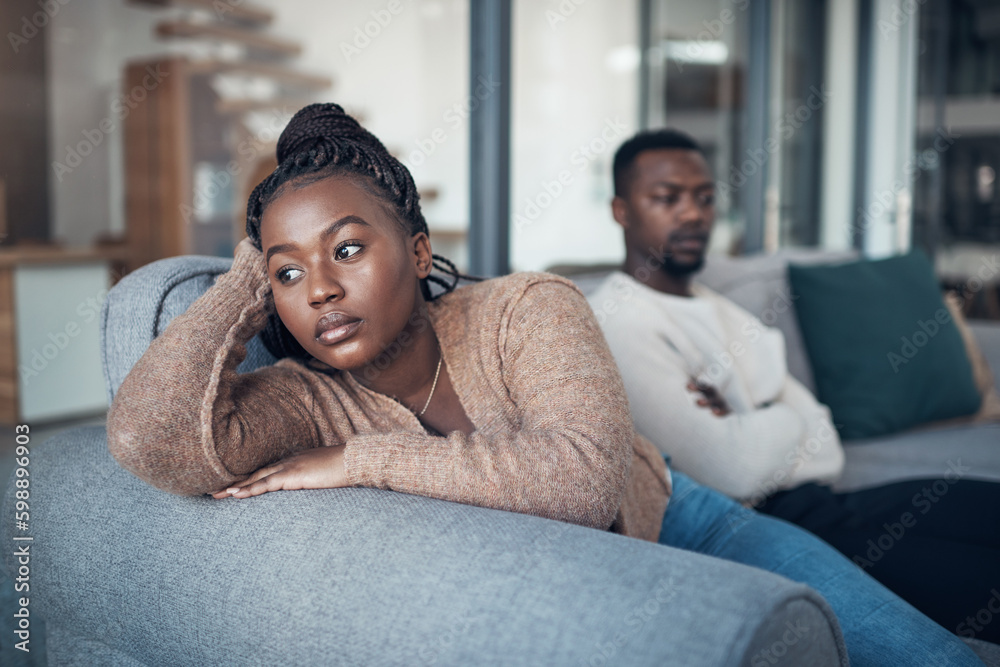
x,y
678,269
681,269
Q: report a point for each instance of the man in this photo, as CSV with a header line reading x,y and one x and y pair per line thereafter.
x,y
708,384
681,347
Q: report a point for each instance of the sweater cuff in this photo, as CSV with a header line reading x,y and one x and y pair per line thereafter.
x,y
366,459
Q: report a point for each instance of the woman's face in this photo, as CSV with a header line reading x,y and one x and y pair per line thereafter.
x,y
344,274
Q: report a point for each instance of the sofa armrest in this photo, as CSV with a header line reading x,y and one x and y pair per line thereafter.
x,y
371,577
987,333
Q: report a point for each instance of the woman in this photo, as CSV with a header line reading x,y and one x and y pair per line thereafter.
x,y
501,394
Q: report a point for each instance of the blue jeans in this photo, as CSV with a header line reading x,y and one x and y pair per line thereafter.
x,y
879,627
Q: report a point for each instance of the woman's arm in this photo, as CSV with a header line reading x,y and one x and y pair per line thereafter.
x,y
567,456
184,420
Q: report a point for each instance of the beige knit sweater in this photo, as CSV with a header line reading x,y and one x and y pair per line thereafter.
x,y
553,437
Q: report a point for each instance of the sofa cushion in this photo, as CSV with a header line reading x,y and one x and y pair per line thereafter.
x,y
886,354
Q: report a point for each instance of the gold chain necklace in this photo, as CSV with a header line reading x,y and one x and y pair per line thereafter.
x,y
433,387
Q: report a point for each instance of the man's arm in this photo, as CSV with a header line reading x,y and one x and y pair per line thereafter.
x,y
737,454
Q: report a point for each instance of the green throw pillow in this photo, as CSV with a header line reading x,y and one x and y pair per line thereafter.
x,y
885,352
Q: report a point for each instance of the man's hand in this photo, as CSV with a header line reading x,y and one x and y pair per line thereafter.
x,y
711,398
318,468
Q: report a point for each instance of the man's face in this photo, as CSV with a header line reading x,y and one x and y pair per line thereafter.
x,y
668,209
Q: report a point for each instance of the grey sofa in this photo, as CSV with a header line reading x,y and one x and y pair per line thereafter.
x,y
124,574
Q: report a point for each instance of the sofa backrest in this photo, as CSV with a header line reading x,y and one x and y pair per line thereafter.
x,y
139,308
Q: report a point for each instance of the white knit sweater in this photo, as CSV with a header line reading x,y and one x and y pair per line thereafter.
x,y
777,435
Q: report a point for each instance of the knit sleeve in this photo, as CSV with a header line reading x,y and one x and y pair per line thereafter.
x,y
184,420
569,457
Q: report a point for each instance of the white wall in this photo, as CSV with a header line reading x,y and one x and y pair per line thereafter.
x,y
570,78
410,81
575,78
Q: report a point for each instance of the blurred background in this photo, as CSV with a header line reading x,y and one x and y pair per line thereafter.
x,y
133,131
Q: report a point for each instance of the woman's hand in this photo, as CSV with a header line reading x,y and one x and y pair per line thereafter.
x,y
318,468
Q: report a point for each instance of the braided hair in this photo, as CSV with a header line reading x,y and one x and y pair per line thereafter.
x,y
321,141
